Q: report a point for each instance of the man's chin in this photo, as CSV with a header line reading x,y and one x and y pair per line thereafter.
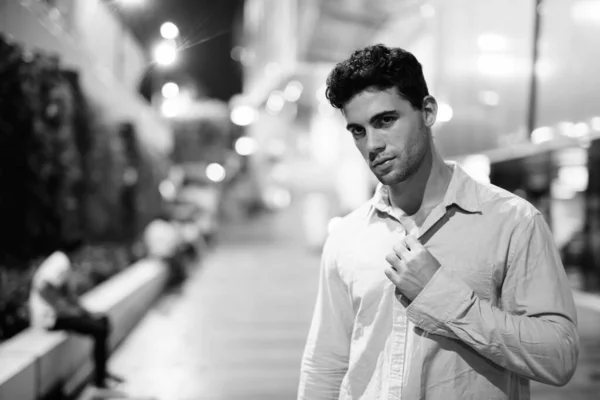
x,y
389,179
392,177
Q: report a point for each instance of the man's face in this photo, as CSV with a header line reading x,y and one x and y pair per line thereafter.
x,y
389,133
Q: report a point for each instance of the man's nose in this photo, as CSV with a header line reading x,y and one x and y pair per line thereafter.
x,y
375,144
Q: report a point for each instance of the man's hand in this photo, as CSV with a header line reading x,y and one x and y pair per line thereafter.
x,y
411,266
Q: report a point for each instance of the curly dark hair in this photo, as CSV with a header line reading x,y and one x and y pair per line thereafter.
x,y
380,67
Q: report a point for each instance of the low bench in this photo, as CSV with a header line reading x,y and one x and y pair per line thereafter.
x,y
37,364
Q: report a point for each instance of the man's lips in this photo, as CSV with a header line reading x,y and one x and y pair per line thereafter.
x,y
379,162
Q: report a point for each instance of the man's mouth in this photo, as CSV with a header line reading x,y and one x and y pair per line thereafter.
x,y
382,163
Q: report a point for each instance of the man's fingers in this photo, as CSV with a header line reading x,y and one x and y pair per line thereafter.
x,y
392,275
412,242
401,249
395,268
394,261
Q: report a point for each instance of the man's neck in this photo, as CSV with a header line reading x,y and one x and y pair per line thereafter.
x,y
425,189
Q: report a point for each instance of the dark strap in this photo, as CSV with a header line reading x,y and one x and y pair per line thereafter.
x,y
424,238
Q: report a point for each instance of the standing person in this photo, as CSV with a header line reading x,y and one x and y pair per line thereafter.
x,y
439,287
54,306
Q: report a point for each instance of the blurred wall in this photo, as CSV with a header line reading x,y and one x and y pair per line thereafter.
x,y
109,42
477,57
478,61
86,41
569,43
269,44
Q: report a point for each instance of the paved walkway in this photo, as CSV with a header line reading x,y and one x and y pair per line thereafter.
x,y
237,328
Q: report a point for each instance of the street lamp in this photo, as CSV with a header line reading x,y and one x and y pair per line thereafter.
x,y
169,30
243,115
170,90
216,172
165,53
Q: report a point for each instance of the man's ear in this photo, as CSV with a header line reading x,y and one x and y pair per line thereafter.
x,y
430,108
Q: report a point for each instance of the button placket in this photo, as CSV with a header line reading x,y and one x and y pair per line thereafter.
x,y
398,352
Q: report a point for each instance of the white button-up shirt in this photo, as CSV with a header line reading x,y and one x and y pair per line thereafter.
x,y
497,313
54,270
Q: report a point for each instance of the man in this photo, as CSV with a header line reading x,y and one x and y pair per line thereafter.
x,y
54,306
440,287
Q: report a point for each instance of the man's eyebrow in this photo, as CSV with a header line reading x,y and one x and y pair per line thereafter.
x,y
352,125
382,114
374,118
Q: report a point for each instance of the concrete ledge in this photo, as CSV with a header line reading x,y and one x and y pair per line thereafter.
x,y
587,300
50,354
36,363
127,297
17,376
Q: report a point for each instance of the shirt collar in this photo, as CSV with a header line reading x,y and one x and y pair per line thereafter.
x,y
462,191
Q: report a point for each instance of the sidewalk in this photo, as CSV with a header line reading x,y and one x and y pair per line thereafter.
x,y
237,328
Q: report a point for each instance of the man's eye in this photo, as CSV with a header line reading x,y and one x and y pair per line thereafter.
x,y
357,132
385,121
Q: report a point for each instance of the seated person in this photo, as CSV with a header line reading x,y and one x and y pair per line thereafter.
x,y
54,306
163,241
162,238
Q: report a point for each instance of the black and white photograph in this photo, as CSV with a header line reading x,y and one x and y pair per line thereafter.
x,y
299,199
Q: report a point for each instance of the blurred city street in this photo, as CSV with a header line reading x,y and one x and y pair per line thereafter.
x,y
237,328
140,138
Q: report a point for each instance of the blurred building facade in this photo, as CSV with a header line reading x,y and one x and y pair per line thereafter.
x,y
83,153
517,101
90,38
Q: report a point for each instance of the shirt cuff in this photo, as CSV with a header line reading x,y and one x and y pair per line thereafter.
x,y
440,298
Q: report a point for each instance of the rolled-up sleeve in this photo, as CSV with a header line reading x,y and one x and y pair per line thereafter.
x,y
325,359
533,333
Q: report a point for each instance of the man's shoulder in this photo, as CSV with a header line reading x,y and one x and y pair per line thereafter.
x,y
343,228
502,203
351,222
159,227
157,224
53,267
56,261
